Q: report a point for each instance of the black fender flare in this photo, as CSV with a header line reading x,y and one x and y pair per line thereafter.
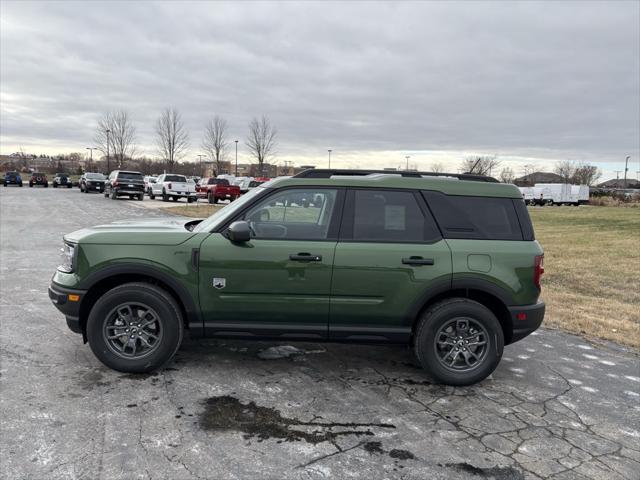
x,y
442,287
192,311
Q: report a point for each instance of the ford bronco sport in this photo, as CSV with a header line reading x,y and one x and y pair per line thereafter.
x,y
444,263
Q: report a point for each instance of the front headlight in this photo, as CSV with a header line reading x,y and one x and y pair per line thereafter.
x,y
68,256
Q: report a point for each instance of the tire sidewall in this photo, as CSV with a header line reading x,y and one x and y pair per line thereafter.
x,y
169,318
435,318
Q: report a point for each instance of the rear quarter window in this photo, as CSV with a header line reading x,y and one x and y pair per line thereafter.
x,y
480,218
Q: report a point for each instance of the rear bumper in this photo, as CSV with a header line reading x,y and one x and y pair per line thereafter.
x,y
129,191
526,319
60,297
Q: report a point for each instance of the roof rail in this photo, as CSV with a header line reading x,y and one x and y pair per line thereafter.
x,y
329,172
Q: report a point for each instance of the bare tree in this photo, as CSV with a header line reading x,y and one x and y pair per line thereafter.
x,y
480,165
436,167
528,169
172,138
586,174
116,132
261,140
507,175
566,169
215,141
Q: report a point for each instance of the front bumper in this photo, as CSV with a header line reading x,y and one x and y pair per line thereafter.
x,y
68,300
526,319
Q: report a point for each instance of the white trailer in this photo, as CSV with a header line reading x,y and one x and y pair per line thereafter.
x,y
560,194
580,193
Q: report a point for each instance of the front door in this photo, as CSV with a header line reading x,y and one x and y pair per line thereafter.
x,y
390,256
278,283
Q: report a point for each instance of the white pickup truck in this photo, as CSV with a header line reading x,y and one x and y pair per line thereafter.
x,y
174,187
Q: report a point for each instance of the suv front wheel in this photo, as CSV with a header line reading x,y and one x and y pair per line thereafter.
x,y
135,328
459,341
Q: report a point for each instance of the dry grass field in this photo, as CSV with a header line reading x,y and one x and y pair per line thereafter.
x,y
592,262
592,270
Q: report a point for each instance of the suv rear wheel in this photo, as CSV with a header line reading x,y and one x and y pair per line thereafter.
x,y
135,328
459,341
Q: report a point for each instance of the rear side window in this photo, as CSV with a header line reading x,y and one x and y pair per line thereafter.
x,y
387,216
524,219
482,218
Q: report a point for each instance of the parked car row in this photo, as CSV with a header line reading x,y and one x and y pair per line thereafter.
x,y
168,186
36,178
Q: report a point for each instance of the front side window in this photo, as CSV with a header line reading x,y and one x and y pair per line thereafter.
x,y
300,214
390,216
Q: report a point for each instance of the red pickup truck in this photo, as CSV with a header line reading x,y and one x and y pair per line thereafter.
x,y
215,189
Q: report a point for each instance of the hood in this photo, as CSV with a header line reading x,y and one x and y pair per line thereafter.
x,y
163,231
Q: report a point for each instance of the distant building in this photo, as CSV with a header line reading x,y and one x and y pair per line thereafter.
x,y
538,177
619,183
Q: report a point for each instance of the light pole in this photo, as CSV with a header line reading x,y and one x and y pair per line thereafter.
x,y
626,169
329,157
200,157
91,149
407,159
236,157
108,162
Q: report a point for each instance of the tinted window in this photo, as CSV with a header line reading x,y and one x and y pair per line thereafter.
x,y
484,218
175,178
302,214
389,216
218,181
524,219
95,176
129,176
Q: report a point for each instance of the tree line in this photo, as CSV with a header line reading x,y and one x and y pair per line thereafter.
x,y
116,138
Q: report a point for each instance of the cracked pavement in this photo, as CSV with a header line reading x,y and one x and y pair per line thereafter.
x,y
558,406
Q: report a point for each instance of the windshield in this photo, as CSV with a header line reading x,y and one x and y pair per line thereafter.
x,y
95,176
210,223
175,178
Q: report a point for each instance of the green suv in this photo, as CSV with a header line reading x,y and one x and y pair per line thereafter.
x,y
444,263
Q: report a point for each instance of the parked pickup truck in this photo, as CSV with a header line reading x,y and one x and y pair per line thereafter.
x,y
215,189
174,187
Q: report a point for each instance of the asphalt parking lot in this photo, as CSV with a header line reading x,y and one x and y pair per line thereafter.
x,y
557,407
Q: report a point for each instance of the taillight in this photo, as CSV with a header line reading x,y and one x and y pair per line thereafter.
x,y
538,270
169,186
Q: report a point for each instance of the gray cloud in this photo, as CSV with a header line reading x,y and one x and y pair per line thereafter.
x,y
531,79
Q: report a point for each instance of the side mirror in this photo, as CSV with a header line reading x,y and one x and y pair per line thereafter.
x,y
239,232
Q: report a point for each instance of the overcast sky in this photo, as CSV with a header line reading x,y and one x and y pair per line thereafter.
x,y
530,82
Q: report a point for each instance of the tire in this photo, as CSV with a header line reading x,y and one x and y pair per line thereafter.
x,y
55,185
106,195
191,199
165,197
175,199
141,197
210,198
131,197
69,186
458,311
114,195
30,185
46,185
152,196
20,184
167,316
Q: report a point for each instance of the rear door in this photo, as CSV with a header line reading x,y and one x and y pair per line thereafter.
x,y
390,256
